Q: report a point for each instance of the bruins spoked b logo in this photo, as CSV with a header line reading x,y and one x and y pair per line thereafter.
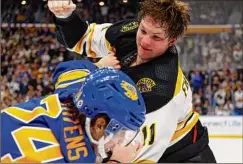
x,y
145,85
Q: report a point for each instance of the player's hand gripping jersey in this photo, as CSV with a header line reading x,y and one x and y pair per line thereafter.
x,y
171,124
44,129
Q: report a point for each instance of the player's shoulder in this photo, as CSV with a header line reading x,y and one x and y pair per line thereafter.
x,y
32,110
28,105
122,28
167,71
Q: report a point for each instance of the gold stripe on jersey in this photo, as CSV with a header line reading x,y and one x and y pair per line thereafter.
x,y
189,125
91,53
144,161
108,45
71,75
181,124
178,81
78,47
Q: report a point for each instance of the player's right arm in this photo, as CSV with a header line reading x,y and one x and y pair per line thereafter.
x,y
76,34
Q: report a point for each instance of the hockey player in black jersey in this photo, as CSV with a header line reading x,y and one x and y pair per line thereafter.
x,y
144,49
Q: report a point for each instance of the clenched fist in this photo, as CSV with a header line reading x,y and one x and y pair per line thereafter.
x,y
61,8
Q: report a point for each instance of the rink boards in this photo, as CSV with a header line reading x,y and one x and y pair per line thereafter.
x,y
226,137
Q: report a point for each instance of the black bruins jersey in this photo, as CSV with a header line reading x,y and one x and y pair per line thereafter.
x,y
171,125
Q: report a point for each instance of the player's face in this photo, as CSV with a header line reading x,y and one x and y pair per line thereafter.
x,y
123,137
125,146
114,138
151,39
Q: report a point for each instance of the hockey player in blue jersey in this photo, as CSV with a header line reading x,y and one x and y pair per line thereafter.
x,y
75,125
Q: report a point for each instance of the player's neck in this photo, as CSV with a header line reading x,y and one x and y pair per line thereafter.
x,y
138,61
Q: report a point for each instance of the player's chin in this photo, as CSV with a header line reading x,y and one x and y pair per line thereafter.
x,y
136,153
145,56
139,148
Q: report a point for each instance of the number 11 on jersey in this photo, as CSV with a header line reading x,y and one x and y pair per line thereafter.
x,y
149,134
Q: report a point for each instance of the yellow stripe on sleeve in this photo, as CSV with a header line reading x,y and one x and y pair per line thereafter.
x,y
191,123
78,47
108,45
182,123
91,53
144,161
178,81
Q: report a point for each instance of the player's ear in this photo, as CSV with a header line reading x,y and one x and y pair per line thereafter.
x,y
172,42
100,123
99,127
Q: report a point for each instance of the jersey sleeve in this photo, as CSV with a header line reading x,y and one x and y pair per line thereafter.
x,y
82,37
68,77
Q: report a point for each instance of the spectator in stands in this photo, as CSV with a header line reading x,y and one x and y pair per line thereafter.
x,y
196,80
238,97
220,96
220,111
228,107
205,107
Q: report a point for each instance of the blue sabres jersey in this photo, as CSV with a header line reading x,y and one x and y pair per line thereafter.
x,y
44,129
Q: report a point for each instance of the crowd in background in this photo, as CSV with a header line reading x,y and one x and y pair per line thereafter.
x,y
212,62
217,92
212,51
202,12
28,57
214,66
216,12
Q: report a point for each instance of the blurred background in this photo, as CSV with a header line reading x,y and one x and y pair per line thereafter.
x,y
211,52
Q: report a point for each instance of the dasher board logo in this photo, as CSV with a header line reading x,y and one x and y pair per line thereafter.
x,y
130,26
130,90
145,85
